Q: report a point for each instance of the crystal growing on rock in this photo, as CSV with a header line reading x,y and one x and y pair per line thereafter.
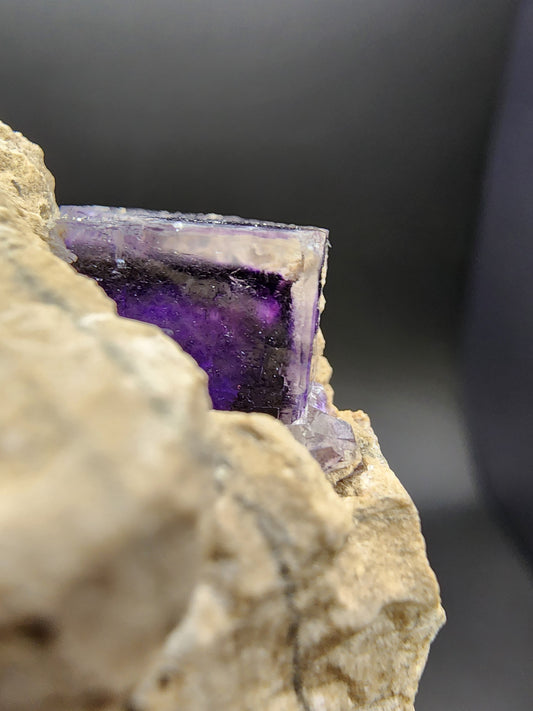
x,y
329,439
241,297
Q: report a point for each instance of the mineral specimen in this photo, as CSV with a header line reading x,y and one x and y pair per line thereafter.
x,y
128,508
240,297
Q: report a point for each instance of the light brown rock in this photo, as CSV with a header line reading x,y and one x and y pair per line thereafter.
x,y
308,600
103,474
292,593
29,186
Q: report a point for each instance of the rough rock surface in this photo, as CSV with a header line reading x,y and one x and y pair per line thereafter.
x,y
103,472
128,508
308,600
29,186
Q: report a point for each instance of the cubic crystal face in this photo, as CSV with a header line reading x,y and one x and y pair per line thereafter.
x,y
328,438
241,297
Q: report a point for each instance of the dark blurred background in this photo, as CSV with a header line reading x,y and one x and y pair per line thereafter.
x,y
374,118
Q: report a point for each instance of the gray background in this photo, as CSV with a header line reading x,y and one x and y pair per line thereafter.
x,y
370,117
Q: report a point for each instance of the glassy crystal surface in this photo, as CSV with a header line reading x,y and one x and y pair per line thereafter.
x,y
241,297
329,439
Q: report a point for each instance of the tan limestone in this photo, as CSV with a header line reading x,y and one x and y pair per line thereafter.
x,y
103,474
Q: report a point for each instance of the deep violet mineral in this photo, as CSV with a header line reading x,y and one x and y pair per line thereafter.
x,y
241,297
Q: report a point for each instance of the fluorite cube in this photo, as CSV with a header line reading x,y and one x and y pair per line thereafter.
x,y
241,297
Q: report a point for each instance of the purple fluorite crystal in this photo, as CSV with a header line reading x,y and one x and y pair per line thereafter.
x,y
240,297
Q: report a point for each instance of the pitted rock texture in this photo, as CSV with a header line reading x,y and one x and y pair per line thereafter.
x,y
308,600
157,555
103,475
30,186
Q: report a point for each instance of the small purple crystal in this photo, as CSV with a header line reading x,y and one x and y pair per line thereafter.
x,y
329,439
240,297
